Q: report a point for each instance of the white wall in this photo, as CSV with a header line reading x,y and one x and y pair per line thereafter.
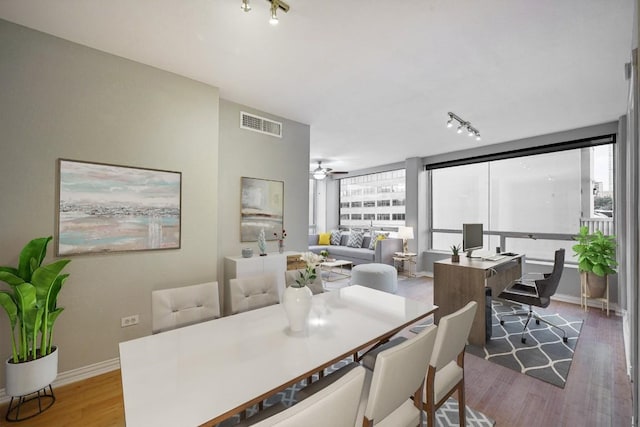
x,y
62,100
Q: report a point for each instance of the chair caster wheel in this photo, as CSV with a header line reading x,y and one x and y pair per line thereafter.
x,y
537,322
502,322
524,340
565,339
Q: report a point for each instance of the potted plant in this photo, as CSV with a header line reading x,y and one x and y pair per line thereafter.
x,y
31,305
455,253
324,254
297,297
596,260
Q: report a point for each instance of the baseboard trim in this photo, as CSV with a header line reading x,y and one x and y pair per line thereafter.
x,y
590,303
76,375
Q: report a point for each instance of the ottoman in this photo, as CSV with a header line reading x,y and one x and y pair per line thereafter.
x,y
382,277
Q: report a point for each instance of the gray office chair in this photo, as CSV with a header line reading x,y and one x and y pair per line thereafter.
x,y
535,292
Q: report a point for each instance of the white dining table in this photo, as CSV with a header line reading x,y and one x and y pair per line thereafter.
x,y
208,372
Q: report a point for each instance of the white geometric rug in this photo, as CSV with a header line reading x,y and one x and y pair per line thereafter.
x,y
446,415
544,355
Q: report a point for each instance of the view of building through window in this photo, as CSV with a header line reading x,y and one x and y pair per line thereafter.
x,y
532,204
374,200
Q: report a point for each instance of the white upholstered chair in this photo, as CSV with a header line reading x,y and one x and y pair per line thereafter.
x,y
445,375
316,286
176,307
335,405
399,373
251,292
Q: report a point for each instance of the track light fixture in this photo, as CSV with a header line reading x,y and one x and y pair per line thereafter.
x,y
463,125
275,5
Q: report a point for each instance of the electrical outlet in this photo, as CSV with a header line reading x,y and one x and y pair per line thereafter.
x,y
129,321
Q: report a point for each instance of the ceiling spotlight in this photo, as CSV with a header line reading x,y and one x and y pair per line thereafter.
x,y
245,6
470,131
274,17
463,125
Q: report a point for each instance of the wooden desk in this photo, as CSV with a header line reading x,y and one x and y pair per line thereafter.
x,y
207,372
455,284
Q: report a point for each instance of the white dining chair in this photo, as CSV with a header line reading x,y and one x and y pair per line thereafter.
x,y
335,405
251,292
445,375
186,305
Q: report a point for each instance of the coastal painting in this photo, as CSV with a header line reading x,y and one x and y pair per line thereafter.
x,y
108,208
262,207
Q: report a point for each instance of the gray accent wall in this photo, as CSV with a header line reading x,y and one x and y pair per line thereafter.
x,y
63,100
256,155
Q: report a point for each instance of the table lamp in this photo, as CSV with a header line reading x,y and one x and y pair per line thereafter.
x,y
405,233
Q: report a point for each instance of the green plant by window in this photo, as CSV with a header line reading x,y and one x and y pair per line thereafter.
x,y
455,249
596,252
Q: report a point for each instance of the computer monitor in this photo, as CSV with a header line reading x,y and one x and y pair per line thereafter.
x,y
472,238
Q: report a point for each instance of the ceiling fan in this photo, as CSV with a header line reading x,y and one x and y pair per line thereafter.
x,y
321,173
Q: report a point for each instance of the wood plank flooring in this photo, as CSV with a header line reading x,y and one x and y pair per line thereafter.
x,y
597,393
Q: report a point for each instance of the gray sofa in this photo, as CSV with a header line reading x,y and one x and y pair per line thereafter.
x,y
383,252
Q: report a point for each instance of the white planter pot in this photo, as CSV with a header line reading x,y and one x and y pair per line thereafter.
x,y
297,305
29,377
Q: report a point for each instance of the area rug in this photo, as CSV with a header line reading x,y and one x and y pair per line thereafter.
x,y
544,355
446,415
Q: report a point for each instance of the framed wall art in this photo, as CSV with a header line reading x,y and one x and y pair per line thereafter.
x,y
109,208
262,207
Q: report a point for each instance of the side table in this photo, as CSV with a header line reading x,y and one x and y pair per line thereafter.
x,y
405,261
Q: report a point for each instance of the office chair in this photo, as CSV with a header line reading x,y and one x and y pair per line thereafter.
x,y
535,292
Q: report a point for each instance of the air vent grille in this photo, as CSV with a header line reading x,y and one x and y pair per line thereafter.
x,y
260,124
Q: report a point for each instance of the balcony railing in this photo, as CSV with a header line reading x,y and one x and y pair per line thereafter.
x,y
605,225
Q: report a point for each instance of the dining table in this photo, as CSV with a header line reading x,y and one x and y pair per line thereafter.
x,y
205,373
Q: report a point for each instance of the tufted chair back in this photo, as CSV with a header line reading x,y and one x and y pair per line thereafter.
x,y
176,307
251,292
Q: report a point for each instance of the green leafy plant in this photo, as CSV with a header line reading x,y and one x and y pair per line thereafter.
x,y
324,253
596,252
308,275
455,249
31,304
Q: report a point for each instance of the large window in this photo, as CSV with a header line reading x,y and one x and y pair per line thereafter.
x,y
366,200
531,204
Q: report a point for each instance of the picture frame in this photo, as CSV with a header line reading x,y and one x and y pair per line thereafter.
x,y
111,208
261,208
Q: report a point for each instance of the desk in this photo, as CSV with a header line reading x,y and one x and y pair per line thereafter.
x,y
455,284
207,372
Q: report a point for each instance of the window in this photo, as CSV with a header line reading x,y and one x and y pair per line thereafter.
x,y
373,210
397,217
396,202
564,189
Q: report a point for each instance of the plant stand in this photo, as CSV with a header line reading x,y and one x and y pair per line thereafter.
x,y
44,398
584,296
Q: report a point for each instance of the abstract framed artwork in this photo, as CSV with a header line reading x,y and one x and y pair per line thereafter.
x,y
262,207
108,208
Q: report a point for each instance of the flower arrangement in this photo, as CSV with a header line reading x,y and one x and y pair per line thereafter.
x,y
308,275
280,237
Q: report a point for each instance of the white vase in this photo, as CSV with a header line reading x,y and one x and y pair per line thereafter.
x,y
28,377
297,305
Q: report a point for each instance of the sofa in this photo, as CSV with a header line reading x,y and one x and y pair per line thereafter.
x,y
382,253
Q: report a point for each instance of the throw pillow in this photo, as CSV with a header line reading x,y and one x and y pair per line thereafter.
x,y
324,239
355,239
375,236
336,235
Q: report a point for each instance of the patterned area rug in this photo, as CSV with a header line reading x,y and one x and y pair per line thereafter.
x,y
544,355
446,416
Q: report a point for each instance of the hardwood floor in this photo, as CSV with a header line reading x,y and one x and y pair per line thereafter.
x,y
597,393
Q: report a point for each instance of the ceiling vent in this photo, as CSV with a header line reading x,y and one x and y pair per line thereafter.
x,y
260,124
